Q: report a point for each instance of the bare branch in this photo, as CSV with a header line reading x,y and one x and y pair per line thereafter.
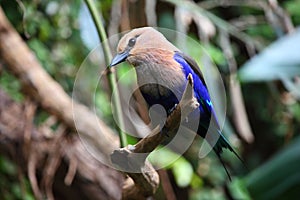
x,y
133,158
240,114
278,18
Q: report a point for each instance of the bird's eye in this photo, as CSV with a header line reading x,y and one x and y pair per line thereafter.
x,y
131,42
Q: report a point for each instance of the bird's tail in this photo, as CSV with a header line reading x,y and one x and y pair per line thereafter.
x,y
218,149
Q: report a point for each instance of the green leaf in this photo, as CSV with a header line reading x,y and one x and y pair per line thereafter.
x,y
7,167
181,168
239,190
11,86
163,157
183,172
279,178
196,182
280,60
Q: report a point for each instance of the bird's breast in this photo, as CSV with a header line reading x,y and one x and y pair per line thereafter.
x,y
161,82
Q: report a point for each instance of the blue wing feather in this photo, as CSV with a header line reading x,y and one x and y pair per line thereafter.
x,y
200,89
206,108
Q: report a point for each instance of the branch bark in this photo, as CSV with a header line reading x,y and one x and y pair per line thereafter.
x,y
132,158
77,174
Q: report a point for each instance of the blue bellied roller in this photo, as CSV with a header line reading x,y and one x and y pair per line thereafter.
x,y
166,69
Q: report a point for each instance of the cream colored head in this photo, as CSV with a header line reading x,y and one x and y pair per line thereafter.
x,y
140,41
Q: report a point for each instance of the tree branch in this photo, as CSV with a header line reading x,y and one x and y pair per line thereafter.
x,y
133,157
49,94
37,157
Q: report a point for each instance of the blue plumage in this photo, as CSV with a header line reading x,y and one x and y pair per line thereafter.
x,y
200,90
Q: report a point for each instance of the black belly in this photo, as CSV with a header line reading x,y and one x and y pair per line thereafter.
x,y
158,94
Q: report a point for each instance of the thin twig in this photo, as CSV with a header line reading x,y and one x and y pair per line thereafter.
x,y
32,163
166,184
150,12
278,18
29,111
114,22
244,22
210,4
71,172
111,75
240,114
53,161
220,23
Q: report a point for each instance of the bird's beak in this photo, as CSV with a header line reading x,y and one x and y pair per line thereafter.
x,y
120,57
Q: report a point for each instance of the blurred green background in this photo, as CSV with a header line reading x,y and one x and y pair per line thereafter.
x,y
253,43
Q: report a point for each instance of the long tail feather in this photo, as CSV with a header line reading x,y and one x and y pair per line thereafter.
x,y
223,143
218,148
221,161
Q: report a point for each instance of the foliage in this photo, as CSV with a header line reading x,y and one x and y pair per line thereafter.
x,y
267,183
18,188
278,61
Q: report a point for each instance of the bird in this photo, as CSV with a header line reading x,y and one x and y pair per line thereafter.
x,y
162,73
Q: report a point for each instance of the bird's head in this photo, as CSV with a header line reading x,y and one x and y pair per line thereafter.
x,y
140,41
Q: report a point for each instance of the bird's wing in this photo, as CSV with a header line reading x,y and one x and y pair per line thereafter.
x,y
190,66
192,63
201,92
